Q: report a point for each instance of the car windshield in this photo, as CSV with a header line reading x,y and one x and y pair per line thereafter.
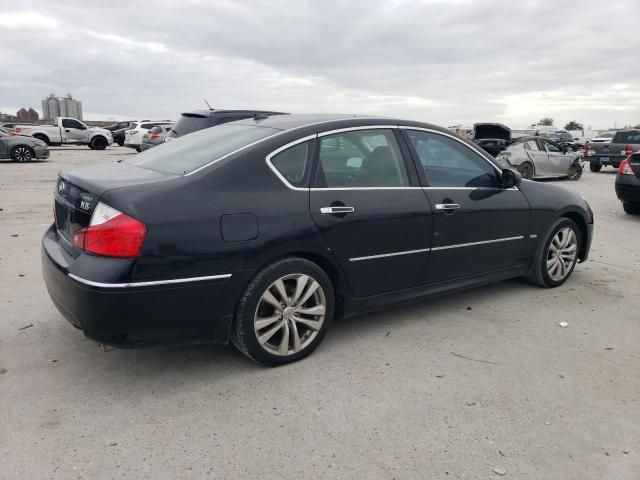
x,y
627,137
187,154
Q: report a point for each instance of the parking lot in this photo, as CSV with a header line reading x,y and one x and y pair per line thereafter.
x,y
461,386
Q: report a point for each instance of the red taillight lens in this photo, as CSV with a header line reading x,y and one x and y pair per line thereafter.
x,y
154,135
17,129
111,233
625,168
628,150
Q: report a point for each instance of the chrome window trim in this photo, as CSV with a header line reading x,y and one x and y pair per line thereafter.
x,y
148,284
469,188
362,127
320,189
457,139
282,149
435,249
393,254
472,244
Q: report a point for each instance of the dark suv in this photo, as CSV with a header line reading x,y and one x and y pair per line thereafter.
x,y
195,120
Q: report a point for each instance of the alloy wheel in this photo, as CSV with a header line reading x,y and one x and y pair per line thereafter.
x,y
22,154
289,315
562,253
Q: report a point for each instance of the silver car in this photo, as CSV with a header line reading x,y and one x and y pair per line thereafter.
x,y
538,157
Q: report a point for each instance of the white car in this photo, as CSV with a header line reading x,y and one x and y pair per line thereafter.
x,y
603,138
68,131
133,137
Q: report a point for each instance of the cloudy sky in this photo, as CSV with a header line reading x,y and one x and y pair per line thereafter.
x,y
441,61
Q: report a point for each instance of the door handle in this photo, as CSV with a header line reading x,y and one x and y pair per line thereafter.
x,y
447,206
338,210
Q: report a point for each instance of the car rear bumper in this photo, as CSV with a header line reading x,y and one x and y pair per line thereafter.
x,y
131,315
613,160
628,188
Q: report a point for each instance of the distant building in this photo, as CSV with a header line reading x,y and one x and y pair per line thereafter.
x,y
53,107
29,116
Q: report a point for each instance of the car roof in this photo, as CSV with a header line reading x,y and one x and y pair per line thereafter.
x,y
214,112
331,121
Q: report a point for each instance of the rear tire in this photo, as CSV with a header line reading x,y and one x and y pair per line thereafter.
x,y
595,167
98,143
22,154
526,170
632,208
284,313
42,138
557,255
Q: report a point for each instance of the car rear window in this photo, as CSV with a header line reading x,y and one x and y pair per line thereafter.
x,y
186,154
192,123
627,137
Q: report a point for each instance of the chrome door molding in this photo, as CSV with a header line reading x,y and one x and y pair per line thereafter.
x,y
223,276
434,249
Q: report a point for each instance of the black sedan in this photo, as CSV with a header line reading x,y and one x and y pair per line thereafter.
x,y
263,231
21,148
628,184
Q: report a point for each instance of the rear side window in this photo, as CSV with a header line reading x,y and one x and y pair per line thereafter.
x,y
186,154
449,163
361,158
292,164
626,137
532,145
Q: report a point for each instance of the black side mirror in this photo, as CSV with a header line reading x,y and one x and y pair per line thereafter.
x,y
510,178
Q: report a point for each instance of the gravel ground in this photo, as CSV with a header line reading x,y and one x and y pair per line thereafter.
x,y
456,387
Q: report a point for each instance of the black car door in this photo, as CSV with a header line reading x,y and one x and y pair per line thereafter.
x,y
478,226
370,209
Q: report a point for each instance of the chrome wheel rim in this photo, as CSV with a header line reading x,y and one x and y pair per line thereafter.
x,y
562,253
23,154
290,314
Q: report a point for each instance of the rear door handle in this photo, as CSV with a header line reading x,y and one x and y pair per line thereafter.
x,y
334,210
447,206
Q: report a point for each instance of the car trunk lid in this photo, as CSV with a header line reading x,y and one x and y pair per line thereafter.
x,y
491,130
79,190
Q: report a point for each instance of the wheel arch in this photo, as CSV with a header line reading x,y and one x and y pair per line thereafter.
x,y
584,231
42,136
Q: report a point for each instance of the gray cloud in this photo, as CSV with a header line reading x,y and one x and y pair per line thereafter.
x,y
453,61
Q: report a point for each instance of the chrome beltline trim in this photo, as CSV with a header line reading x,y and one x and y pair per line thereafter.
x,y
434,249
362,127
149,284
471,244
394,254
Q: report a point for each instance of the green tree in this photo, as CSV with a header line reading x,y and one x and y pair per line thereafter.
x,y
548,121
573,125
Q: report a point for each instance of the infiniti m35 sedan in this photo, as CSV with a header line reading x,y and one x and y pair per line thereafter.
x,y
263,231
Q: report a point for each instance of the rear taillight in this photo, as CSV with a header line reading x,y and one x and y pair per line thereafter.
x,y
625,168
585,149
111,233
17,129
628,150
154,135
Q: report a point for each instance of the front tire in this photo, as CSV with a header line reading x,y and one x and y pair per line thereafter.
x,y
526,170
557,255
284,313
595,167
98,143
575,172
631,208
21,154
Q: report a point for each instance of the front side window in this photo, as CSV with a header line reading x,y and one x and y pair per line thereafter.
x,y
552,147
292,164
361,158
449,163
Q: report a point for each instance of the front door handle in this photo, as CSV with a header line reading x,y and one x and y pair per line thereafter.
x,y
447,206
336,210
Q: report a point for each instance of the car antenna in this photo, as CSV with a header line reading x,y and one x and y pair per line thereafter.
x,y
205,101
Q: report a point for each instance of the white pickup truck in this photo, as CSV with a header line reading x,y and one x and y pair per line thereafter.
x,y
68,131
